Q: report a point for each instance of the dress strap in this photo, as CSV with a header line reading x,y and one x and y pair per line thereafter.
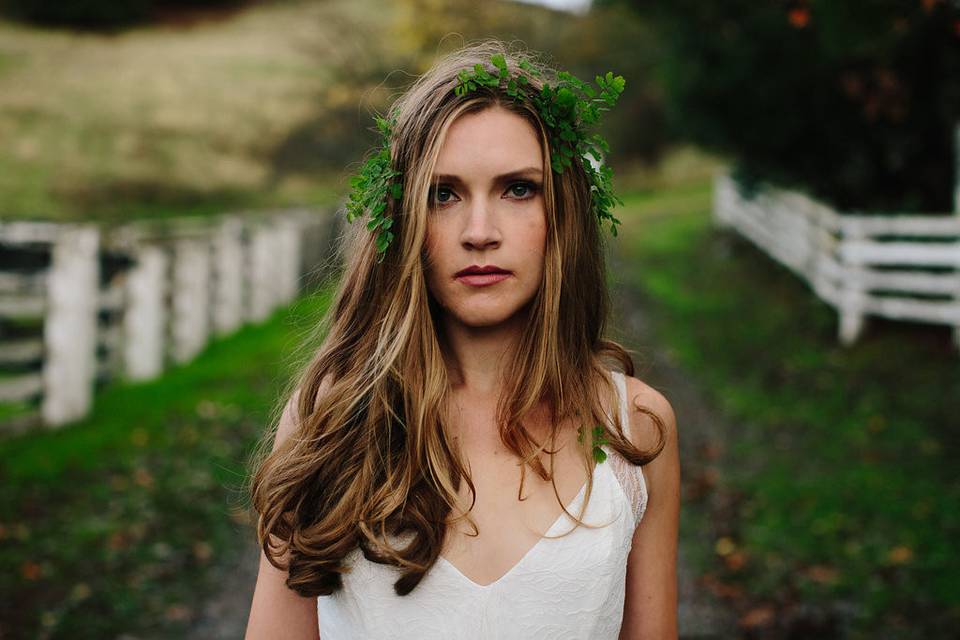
x,y
621,381
629,476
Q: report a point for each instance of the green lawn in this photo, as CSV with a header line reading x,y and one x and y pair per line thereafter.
x,y
841,466
113,524
159,120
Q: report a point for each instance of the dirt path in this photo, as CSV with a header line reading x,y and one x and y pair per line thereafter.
x,y
701,616
224,616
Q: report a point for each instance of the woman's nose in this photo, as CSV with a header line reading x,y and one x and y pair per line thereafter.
x,y
481,230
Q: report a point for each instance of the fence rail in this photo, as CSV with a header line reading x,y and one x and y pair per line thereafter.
x,y
902,267
82,304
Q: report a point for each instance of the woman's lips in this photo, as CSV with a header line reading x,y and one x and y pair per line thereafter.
x,y
482,279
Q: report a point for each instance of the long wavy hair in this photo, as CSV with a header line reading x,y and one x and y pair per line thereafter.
x,y
370,457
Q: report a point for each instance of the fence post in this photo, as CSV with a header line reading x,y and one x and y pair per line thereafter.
x,y
290,238
70,326
144,321
191,278
850,300
956,211
228,264
724,198
259,270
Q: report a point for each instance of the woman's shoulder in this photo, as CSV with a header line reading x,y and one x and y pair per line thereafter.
x,y
290,414
643,429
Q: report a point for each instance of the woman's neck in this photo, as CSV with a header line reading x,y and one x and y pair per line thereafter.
x,y
478,356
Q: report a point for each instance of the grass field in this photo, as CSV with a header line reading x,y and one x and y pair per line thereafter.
x,y
840,470
114,524
161,120
838,475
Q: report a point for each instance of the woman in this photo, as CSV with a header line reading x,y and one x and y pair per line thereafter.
x,y
465,349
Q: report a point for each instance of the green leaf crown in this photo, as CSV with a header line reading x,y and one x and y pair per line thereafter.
x,y
567,108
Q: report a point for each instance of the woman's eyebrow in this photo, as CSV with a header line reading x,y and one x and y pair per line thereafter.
x,y
526,172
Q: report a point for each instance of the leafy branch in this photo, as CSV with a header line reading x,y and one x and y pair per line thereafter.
x,y
568,109
599,440
376,181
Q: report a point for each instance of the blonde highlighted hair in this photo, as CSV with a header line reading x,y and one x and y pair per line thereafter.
x,y
370,456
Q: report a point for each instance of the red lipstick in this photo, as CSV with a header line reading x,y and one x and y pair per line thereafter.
x,y
481,276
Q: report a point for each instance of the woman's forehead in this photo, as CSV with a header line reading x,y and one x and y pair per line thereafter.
x,y
491,142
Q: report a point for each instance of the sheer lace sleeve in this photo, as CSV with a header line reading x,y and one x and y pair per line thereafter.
x,y
629,476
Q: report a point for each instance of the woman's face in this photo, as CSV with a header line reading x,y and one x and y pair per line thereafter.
x,y
487,210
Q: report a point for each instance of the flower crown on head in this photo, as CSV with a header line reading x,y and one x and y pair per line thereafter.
x,y
566,108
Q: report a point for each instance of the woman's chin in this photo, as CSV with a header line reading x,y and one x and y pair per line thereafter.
x,y
484,318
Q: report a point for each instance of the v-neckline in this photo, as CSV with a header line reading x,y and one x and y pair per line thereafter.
x,y
529,552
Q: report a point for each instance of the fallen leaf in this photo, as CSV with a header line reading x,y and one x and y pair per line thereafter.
x,y
143,478
725,546
178,613
719,588
822,574
31,570
900,554
202,551
736,560
117,540
757,617
80,591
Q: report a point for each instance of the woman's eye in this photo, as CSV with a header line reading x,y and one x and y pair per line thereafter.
x,y
442,195
522,190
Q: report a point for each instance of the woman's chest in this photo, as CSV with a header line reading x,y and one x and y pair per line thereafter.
x,y
570,584
512,508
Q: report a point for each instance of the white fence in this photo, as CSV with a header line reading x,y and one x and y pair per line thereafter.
x,y
81,304
903,267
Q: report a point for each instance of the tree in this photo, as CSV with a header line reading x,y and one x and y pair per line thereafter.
x,y
856,103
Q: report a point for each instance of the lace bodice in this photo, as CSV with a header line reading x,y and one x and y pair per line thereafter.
x,y
571,587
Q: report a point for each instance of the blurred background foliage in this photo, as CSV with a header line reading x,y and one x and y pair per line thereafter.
x,y
854,102
271,104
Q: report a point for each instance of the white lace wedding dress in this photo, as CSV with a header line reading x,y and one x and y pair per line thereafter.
x,y
570,587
